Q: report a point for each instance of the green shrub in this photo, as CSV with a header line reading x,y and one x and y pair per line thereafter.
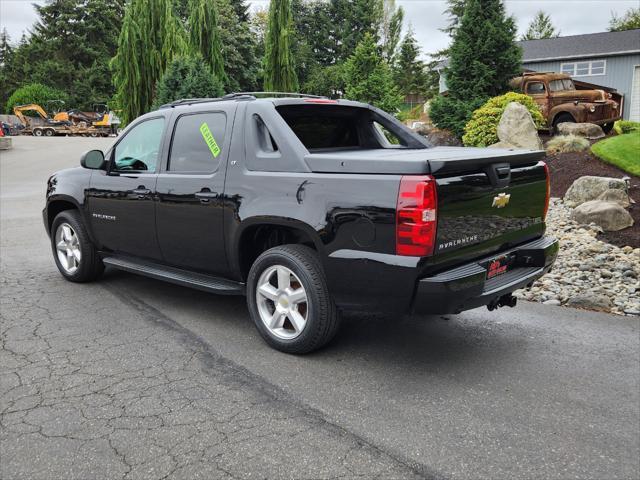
x,y
34,93
448,113
187,77
626,126
481,130
566,143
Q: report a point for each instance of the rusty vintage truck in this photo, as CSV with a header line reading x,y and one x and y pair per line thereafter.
x,y
563,99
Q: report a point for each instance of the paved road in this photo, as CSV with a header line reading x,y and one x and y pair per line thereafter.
x,y
134,378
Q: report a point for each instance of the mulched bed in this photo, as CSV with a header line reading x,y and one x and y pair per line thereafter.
x,y
567,167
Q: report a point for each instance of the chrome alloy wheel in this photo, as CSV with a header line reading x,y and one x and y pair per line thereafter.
x,y
282,302
68,248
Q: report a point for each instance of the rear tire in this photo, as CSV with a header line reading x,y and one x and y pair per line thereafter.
x,y
76,257
49,132
37,132
289,301
562,118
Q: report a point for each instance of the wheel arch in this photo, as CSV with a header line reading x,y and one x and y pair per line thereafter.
x,y
59,204
258,235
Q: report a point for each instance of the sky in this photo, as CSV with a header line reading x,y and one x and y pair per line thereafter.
x,y
571,17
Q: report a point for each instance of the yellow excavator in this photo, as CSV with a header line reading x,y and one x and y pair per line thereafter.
x,y
63,123
48,128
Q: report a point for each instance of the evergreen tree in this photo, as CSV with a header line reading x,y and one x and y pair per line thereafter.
x,y
369,79
6,58
629,21
410,73
279,72
187,77
204,35
454,13
6,50
150,37
483,58
541,27
353,20
238,42
69,49
391,29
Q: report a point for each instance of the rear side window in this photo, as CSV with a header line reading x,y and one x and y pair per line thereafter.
x,y
322,128
325,131
197,144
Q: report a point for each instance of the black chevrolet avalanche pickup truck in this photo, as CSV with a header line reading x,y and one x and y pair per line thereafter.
x,y
309,207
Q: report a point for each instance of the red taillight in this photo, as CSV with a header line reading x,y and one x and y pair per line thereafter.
x,y
416,216
548,195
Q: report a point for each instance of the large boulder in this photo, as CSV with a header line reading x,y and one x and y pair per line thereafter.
x,y
586,130
441,138
589,188
620,197
517,129
609,216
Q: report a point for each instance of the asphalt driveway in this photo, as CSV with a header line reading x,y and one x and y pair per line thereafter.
x,y
133,378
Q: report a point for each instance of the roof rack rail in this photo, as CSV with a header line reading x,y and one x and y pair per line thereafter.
x,y
191,101
236,95
277,94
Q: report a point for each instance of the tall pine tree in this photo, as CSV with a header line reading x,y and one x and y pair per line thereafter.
x,y
150,37
369,78
410,72
391,28
483,58
279,64
541,27
204,35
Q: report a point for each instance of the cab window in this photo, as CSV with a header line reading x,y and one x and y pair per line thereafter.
x,y
534,88
198,140
138,151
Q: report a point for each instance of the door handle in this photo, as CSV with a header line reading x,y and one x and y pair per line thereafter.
x,y
205,195
141,191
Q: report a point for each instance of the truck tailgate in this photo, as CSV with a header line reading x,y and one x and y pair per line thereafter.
x,y
491,209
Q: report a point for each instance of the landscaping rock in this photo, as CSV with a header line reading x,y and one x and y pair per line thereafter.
x,y
442,138
608,270
610,216
589,188
586,130
591,301
516,128
617,196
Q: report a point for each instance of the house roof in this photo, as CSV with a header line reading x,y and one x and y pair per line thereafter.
x,y
581,46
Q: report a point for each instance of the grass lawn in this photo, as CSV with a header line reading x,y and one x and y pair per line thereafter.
x,y
623,151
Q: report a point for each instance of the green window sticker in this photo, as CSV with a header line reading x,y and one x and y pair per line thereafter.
x,y
209,140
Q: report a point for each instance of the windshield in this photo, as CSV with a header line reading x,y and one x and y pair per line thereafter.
x,y
564,84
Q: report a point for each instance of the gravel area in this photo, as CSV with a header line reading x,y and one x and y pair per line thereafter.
x,y
589,273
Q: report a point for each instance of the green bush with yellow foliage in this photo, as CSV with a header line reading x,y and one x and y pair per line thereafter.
x,y
482,129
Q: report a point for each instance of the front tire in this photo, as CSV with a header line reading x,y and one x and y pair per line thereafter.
x,y
289,301
562,118
76,257
607,127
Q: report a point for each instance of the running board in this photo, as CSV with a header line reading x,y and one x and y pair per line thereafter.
x,y
200,281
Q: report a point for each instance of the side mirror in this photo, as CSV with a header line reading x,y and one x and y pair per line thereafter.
x,y
93,159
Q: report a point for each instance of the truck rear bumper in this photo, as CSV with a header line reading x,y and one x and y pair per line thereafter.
x,y
467,286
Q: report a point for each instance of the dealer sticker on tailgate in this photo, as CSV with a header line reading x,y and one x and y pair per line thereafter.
x,y
499,265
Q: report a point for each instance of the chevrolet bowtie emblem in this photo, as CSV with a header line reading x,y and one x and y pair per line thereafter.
x,y
501,201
